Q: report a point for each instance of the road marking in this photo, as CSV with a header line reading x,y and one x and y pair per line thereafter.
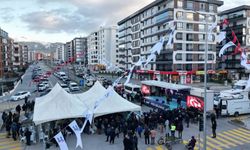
x,y
149,148
212,145
236,137
241,132
16,145
240,135
244,130
230,139
219,142
159,147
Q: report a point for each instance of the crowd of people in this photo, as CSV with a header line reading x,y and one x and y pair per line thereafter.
x,y
13,125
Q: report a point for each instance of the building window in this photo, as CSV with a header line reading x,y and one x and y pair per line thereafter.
x,y
179,3
201,17
161,17
179,67
190,27
179,25
178,56
178,46
190,37
211,8
249,40
190,47
211,18
190,16
179,15
188,67
189,57
202,37
201,27
190,5
210,57
210,47
178,36
202,7
201,47
201,57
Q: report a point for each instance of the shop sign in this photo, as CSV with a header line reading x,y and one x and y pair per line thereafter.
x,y
199,72
182,72
211,72
157,72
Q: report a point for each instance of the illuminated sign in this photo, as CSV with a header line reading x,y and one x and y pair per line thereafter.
x,y
196,102
145,89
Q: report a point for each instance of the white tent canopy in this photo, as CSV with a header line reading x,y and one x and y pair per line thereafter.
x,y
58,104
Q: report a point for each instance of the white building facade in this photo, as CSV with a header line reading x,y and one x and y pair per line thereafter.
x,y
102,47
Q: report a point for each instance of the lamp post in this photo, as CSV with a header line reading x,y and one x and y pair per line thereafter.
x,y
205,86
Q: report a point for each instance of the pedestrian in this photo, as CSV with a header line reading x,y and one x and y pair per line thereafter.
x,y
214,125
146,135
126,142
139,130
27,135
18,109
4,117
112,135
135,142
173,128
108,133
180,129
21,81
191,143
167,128
117,132
187,119
153,133
14,130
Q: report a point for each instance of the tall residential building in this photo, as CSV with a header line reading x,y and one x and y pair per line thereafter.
x,y
17,56
68,50
79,46
184,61
239,22
31,56
102,47
3,50
25,54
59,53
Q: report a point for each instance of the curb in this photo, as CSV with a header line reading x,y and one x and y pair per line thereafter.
x,y
238,125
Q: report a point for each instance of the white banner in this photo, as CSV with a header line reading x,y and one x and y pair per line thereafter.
x,y
157,47
248,83
170,38
150,57
73,125
129,75
222,50
220,37
61,142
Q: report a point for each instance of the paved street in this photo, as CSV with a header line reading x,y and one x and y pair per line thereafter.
x,y
228,136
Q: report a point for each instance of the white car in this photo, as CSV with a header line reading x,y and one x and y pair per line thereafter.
x,y
41,87
20,95
46,83
73,87
65,87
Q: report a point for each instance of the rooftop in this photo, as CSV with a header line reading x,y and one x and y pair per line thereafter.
x,y
243,7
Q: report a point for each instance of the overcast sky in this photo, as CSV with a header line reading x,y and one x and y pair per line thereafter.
x,y
62,20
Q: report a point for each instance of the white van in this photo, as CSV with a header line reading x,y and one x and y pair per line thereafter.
x,y
235,106
132,88
61,75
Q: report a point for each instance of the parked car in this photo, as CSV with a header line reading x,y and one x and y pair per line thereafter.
x,y
46,83
73,87
45,92
20,95
65,87
41,87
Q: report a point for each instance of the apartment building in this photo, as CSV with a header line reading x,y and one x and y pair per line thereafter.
x,y
17,57
68,53
3,50
184,61
59,53
239,22
79,46
102,47
25,53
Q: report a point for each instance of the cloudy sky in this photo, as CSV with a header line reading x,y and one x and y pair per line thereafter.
x,y
62,20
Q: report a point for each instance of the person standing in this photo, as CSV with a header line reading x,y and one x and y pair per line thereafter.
x,y
14,130
139,130
135,142
126,143
112,136
167,128
180,129
187,119
146,135
153,133
173,128
214,126
27,135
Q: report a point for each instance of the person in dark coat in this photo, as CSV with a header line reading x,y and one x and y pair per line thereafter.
x,y
214,126
146,135
126,143
180,129
14,130
18,109
135,142
112,136
27,134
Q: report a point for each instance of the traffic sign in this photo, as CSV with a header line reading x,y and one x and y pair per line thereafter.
x,y
81,83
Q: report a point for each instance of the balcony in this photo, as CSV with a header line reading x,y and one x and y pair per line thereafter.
x,y
16,63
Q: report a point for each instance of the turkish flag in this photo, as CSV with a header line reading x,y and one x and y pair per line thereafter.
x,y
196,102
